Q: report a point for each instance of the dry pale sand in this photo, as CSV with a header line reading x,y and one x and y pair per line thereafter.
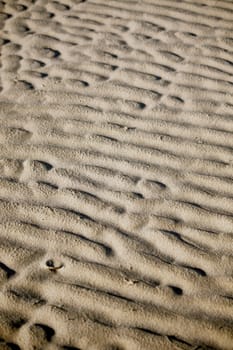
x,y
116,175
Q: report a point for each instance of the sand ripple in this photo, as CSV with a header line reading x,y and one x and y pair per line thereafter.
x,y
116,168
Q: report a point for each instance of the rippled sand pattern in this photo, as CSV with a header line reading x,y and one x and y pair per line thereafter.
x,y
116,175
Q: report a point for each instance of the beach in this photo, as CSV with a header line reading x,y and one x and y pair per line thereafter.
x,y
116,175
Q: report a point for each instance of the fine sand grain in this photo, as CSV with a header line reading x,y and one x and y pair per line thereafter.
x,y
116,175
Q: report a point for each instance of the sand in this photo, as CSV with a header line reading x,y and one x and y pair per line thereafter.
x,y
116,175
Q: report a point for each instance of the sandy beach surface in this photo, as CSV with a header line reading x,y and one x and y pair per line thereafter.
x,y
116,175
